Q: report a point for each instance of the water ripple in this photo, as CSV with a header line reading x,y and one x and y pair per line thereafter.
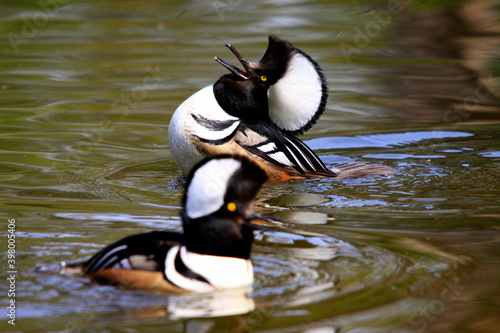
x,y
381,140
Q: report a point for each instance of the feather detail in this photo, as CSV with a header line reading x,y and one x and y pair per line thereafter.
x,y
299,97
352,170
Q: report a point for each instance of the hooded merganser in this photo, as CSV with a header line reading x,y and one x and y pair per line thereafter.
x,y
257,112
214,250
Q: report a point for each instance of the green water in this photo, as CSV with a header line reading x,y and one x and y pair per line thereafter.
x,y
87,89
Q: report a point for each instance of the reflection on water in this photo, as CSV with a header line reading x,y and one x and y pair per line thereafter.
x,y
461,89
86,97
381,140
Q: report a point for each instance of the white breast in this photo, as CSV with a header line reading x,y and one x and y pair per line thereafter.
x,y
183,126
220,272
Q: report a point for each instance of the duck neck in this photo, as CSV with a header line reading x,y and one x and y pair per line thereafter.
x,y
218,237
243,99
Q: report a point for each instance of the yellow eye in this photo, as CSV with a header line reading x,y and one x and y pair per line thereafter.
x,y
231,207
263,78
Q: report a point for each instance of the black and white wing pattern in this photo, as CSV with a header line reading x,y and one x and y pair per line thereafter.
x,y
145,251
281,149
215,132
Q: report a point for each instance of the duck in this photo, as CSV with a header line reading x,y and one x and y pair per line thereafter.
x,y
258,111
212,253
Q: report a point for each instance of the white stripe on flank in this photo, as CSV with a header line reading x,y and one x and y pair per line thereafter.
x,y
208,134
116,249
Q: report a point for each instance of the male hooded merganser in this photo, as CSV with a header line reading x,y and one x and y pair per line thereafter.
x,y
214,250
257,112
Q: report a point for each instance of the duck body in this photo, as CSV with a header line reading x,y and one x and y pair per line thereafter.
x,y
160,261
257,112
185,132
213,252
195,132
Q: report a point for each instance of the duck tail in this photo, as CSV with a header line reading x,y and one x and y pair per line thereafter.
x,y
352,170
63,268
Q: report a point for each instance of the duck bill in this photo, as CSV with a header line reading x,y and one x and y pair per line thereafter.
x,y
241,73
246,64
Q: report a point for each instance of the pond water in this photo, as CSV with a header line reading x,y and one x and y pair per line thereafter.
x,y
87,91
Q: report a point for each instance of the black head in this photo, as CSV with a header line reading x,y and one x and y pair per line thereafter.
x,y
286,87
217,206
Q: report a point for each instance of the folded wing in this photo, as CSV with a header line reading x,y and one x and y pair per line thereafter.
x,y
281,150
144,252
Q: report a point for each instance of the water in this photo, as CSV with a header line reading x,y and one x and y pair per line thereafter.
x,y
87,91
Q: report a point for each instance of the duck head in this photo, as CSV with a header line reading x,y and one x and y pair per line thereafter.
x,y
217,206
286,88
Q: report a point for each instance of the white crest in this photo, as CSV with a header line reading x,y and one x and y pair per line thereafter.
x,y
205,194
296,97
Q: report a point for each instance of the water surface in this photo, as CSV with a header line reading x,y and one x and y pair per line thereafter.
x,y
87,89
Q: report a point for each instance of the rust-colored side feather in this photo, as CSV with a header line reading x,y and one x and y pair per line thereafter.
x,y
136,279
282,173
